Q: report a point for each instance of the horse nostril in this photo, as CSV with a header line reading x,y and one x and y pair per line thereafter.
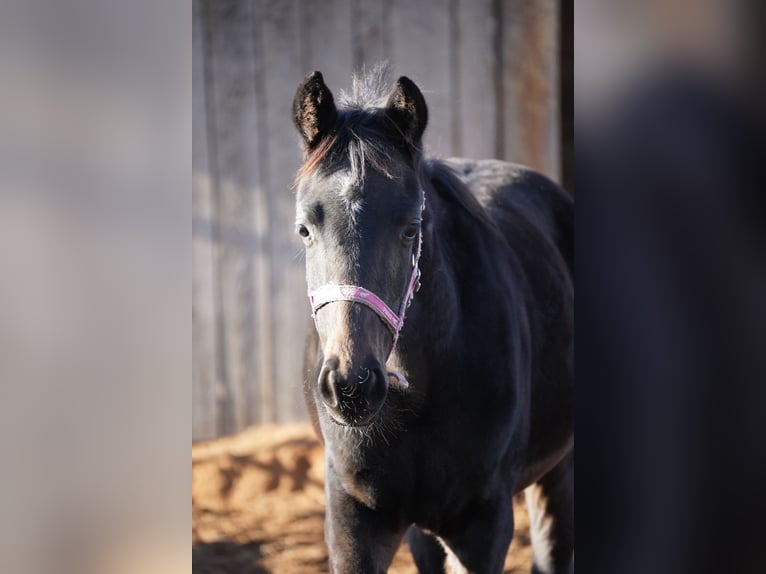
x,y
355,395
328,386
365,376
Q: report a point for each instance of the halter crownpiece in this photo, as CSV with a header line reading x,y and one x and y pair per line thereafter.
x,y
329,293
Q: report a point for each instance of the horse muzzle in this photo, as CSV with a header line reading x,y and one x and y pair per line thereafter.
x,y
352,396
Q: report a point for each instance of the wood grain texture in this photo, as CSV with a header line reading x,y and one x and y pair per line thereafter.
x,y
370,32
229,24
420,49
280,26
531,87
474,101
326,41
204,277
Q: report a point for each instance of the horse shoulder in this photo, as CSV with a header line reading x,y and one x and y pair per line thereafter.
x,y
505,188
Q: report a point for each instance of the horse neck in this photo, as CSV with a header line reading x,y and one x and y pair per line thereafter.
x,y
433,320
454,237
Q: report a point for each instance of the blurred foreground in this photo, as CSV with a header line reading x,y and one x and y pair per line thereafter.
x,y
258,506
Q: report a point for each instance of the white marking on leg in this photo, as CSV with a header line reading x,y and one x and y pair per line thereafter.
x,y
540,528
452,564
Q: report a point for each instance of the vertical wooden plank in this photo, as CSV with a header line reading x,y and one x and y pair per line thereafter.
x,y
204,353
264,305
233,101
371,32
280,26
475,97
531,84
326,41
420,48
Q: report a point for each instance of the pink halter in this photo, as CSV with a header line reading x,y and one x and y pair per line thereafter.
x,y
325,294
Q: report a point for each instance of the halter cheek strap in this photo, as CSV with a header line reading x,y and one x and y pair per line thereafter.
x,y
394,321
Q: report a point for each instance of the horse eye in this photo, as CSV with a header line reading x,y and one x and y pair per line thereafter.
x,y
302,230
410,232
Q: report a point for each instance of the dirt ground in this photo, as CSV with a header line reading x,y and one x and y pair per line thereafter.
x,y
258,507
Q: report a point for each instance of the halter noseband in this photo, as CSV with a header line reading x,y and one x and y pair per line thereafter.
x,y
325,294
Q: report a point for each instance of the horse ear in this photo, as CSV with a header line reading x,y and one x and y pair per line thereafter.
x,y
406,108
314,110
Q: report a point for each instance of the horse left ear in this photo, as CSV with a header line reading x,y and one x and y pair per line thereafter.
x,y
406,108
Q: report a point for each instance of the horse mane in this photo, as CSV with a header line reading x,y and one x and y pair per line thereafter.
x,y
448,184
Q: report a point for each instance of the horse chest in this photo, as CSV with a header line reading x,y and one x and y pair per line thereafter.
x,y
374,481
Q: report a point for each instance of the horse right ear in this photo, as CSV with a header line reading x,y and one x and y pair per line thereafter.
x,y
314,110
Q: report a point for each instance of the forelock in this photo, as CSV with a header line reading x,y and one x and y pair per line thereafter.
x,y
370,88
358,145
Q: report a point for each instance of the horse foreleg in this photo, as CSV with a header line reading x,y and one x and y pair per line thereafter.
x,y
358,538
427,552
550,502
481,541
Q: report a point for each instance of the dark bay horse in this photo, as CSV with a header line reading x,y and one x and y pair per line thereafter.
x,y
432,422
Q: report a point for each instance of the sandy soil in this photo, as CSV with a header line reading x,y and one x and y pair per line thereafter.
x,y
258,507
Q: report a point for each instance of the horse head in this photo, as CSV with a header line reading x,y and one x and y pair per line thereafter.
x,y
359,213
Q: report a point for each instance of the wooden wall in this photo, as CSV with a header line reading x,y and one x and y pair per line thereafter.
x,y
489,71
